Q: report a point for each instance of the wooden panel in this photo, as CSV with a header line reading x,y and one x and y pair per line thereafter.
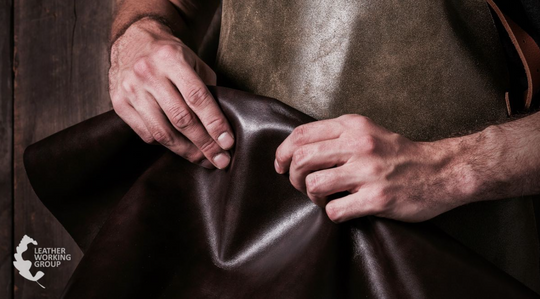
x,y
6,150
61,64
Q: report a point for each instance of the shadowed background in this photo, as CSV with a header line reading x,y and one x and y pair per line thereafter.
x,y
53,70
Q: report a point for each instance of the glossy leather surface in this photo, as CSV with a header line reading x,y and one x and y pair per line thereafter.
x,y
152,225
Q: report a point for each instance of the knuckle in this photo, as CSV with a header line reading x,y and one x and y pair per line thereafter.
x,y
216,125
207,145
198,97
167,52
372,170
299,134
368,143
162,137
314,184
142,67
181,118
334,212
300,157
348,117
128,86
357,120
352,143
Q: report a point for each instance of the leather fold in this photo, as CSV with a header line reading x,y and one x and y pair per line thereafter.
x,y
153,225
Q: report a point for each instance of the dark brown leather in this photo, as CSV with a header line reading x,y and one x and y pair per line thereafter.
x,y
153,225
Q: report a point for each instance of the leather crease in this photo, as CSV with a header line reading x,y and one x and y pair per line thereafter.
x,y
152,225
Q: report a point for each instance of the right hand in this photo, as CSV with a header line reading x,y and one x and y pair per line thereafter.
x,y
158,87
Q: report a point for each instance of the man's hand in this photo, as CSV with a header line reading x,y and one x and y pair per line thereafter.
x,y
382,173
158,87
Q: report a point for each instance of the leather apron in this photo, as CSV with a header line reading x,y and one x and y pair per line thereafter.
x,y
422,68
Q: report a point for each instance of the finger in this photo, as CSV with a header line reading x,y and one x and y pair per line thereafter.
x,y
304,134
349,207
315,156
198,98
183,119
162,131
131,117
321,184
128,114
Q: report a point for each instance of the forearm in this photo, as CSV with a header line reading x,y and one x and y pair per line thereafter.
x,y
188,20
499,162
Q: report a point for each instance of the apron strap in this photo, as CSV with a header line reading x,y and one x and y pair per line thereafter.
x,y
529,54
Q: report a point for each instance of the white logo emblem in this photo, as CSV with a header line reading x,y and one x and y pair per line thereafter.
x,y
23,265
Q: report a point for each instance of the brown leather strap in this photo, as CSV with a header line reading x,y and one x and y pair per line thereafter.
x,y
528,52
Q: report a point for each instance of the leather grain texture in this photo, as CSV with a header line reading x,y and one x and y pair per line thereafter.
x,y
421,68
153,225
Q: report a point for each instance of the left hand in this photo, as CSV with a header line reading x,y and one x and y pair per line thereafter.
x,y
385,174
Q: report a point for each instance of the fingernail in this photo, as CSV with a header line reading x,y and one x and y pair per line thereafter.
x,y
222,160
207,164
225,140
277,166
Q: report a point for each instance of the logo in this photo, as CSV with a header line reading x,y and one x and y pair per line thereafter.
x,y
45,257
23,265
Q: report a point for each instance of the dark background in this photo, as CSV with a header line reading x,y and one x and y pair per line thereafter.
x,y
53,74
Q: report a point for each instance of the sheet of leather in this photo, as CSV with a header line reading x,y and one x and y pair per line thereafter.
x,y
153,225
425,69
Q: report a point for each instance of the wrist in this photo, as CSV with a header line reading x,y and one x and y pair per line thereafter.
x,y
140,33
152,25
147,22
472,163
455,177
142,29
